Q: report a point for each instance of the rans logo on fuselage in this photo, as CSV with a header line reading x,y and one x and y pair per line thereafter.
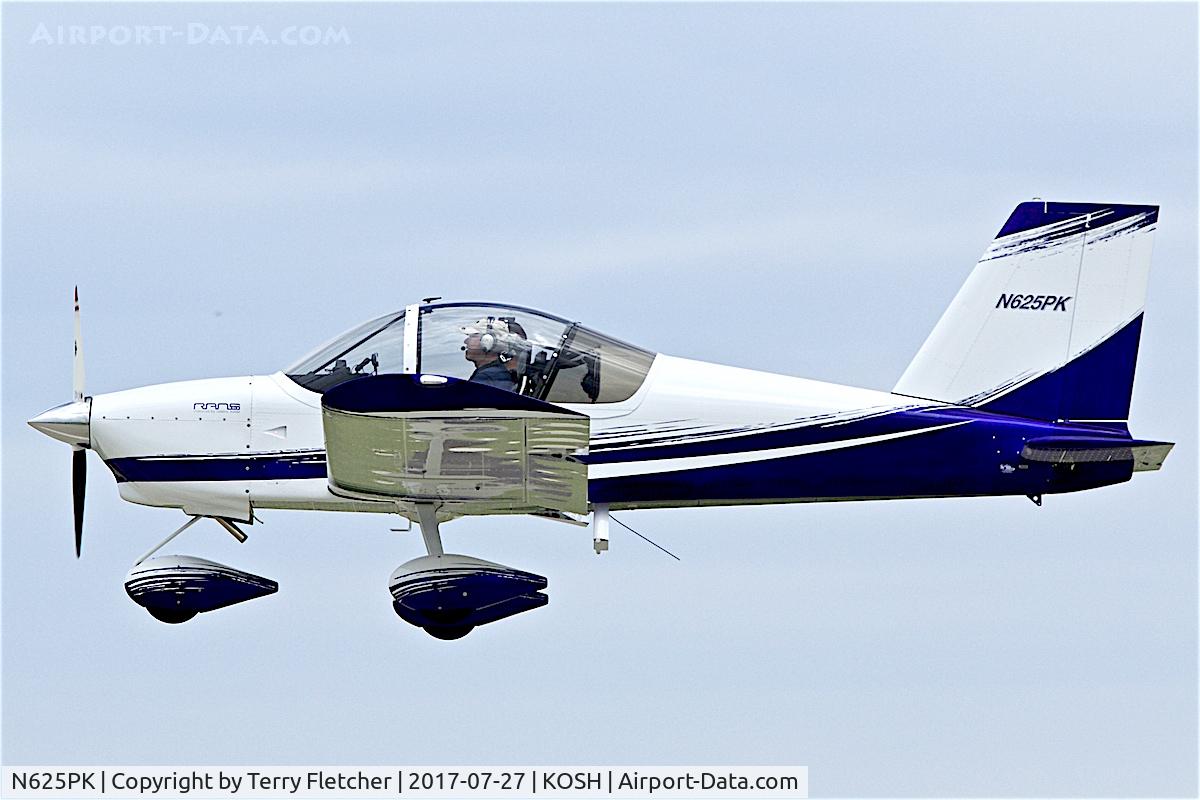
x,y
216,406
1033,302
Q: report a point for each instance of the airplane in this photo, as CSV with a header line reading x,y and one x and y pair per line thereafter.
x,y
443,410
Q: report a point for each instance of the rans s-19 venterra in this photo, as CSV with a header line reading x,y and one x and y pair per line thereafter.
x,y
443,410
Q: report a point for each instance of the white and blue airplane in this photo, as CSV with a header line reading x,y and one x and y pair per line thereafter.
x,y
442,410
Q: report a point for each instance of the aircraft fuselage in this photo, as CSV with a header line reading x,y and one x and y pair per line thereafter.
x,y
694,434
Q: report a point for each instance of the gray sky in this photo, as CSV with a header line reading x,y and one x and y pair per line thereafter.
x,y
796,188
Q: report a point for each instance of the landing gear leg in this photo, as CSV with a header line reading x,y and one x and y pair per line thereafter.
x,y
427,516
600,528
227,524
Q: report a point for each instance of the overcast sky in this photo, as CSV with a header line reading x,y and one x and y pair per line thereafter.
x,y
795,188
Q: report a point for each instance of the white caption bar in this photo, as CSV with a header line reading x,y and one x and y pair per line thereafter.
x,y
433,783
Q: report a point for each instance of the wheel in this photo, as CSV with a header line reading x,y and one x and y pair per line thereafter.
x,y
171,616
448,632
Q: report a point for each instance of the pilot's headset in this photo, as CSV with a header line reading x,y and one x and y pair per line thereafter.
x,y
493,334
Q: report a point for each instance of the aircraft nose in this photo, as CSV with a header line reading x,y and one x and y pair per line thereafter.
x,y
70,423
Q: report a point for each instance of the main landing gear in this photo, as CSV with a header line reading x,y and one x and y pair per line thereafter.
x,y
448,595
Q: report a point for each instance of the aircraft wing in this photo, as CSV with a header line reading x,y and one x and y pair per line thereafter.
x,y
471,448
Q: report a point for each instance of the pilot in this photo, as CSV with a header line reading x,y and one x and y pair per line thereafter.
x,y
487,340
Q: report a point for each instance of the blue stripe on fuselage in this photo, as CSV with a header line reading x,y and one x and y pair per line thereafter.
x,y
263,467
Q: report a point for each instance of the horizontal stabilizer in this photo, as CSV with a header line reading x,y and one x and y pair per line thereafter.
x,y
1145,455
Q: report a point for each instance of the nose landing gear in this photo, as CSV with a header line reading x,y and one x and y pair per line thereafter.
x,y
175,588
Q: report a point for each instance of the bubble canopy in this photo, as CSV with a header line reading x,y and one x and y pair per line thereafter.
x,y
519,349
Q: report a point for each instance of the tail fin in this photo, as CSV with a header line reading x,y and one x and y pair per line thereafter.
x,y
1047,325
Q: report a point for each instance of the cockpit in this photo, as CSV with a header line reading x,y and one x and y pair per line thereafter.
x,y
511,347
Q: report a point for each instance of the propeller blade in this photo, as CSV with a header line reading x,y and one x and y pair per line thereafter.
x,y
77,378
79,456
78,485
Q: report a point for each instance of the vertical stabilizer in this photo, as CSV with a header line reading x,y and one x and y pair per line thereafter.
x,y
1048,323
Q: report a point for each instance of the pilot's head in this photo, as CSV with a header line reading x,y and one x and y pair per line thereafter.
x,y
486,340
